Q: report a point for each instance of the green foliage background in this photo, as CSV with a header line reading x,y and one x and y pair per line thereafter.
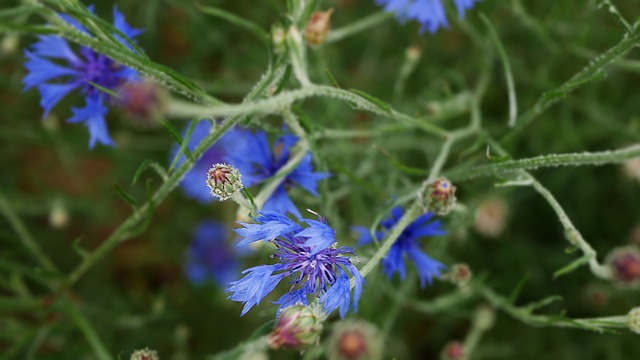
x,y
137,296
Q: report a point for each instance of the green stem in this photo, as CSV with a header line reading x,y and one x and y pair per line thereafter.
x,y
572,233
629,41
524,315
25,236
87,330
283,100
552,160
358,26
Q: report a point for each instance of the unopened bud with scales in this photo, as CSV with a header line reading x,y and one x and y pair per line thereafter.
x,y
224,181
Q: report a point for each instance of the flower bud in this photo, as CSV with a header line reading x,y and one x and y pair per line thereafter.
x,y
298,327
224,181
279,38
440,196
453,351
634,320
460,274
318,27
355,340
491,217
58,215
145,354
144,102
631,169
624,263
484,317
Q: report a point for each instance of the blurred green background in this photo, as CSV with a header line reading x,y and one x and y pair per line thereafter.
x,y
138,296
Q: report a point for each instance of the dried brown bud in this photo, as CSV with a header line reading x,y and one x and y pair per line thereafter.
x,y
318,27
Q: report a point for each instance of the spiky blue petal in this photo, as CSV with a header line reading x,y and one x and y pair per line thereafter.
x,y
338,296
92,115
270,225
407,246
254,286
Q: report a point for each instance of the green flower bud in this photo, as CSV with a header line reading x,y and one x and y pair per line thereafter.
x,y
460,274
355,340
298,327
634,320
440,196
224,181
145,354
453,351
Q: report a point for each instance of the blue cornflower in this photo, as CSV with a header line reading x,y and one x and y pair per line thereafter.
x,y
77,72
429,13
193,184
257,161
407,245
209,256
308,255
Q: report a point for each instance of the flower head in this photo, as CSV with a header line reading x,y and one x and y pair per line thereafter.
x,y
298,327
193,183
429,13
257,161
407,246
308,255
56,70
209,256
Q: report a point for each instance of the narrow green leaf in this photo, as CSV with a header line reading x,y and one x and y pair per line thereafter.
x,y
518,289
105,90
237,20
513,104
379,103
572,266
126,197
404,168
542,303
146,164
183,144
331,78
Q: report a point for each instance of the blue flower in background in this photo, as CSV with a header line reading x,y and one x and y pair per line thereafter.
x,y
308,255
73,71
429,13
257,161
407,245
193,183
210,257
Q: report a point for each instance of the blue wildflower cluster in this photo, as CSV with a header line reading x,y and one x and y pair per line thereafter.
x,y
256,160
429,13
209,257
80,71
308,255
407,245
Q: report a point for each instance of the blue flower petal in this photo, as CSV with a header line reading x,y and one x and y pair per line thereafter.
x,y
54,47
254,286
304,176
281,202
121,24
52,94
463,5
93,117
394,262
42,70
291,298
320,236
427,267
338,296
271,224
